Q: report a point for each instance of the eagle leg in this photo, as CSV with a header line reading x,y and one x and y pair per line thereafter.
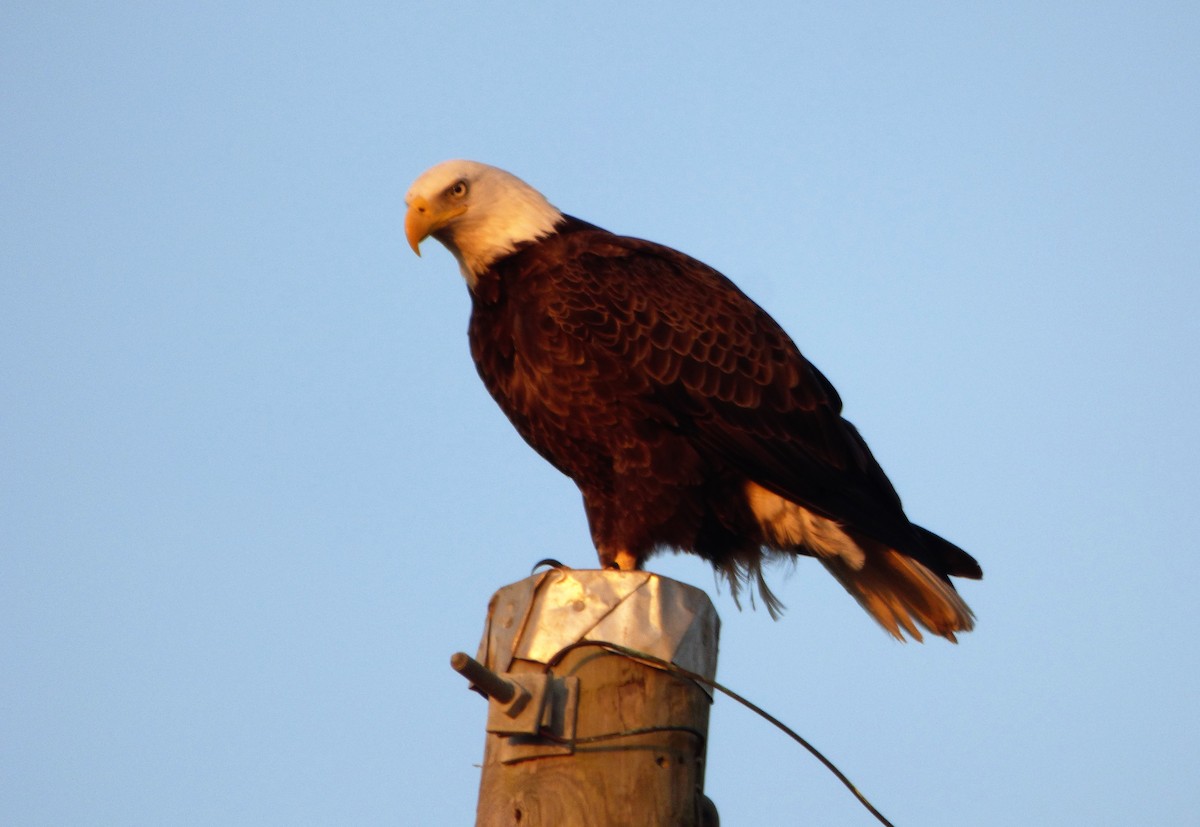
x,y
620,559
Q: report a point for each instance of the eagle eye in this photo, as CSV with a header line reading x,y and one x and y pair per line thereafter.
x,y
458,189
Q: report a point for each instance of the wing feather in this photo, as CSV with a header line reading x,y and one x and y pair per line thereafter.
x,y
708,361
753,396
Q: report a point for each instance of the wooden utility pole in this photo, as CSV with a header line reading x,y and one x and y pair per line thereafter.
x,y
579,734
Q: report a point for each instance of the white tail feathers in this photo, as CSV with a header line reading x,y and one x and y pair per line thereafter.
x,y
895,589
787,525
900,593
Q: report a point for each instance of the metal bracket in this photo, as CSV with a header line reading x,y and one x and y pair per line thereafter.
x,y
535,712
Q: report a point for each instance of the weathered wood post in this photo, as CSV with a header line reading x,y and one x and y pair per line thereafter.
x,y
578,734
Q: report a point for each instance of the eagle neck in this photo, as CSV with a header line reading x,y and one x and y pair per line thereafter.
x,y
487,285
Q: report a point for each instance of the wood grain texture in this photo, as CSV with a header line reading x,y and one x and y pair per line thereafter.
x,y
638,759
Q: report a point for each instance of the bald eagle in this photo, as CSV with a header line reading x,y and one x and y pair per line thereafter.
x,y
684,413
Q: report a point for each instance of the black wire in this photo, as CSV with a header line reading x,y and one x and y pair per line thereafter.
x,y
667,666
625,733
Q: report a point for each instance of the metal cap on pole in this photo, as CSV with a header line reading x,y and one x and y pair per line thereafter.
x,y
581,734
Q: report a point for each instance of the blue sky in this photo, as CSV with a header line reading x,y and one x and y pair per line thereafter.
x,y
252,494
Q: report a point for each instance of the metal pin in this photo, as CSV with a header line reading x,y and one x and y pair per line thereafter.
x,y
483,678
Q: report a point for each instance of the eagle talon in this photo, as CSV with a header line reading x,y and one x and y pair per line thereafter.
x,y
549,562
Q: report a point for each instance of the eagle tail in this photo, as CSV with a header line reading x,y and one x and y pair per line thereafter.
x,y
902,593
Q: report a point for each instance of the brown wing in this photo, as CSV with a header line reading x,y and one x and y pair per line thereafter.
x,y
716,367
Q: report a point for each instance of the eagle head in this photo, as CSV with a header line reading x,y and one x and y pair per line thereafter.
x,y
480,213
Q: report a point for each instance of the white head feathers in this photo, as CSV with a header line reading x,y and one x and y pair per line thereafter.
x,y
480,213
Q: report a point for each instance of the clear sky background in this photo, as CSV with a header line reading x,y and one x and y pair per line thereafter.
x,y
253,495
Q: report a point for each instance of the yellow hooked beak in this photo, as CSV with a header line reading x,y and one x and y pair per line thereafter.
x,y
423,220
